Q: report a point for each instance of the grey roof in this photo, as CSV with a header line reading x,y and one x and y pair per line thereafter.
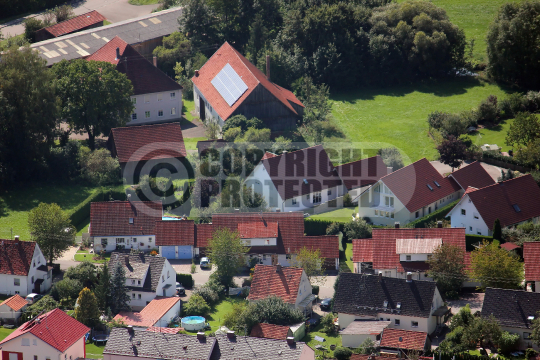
x,y
138,266
132,31
512,308
247,348
359,294
147,344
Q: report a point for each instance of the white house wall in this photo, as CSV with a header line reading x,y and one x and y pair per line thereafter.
x,y
136,303
523,343
8,288
304,289
168,277
154,106
8,313
43,350
171,314
471,225
209,110
130,242
355,340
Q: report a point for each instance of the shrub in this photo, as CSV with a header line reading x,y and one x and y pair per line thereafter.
x,y
391,158
347,200
31,26
196,305
66,290
487,110
357,229
508,342
100,168
530,353
209,295
327,324
437,215
342,353
334,229
314,227
315,290
186,280
193,268
435,119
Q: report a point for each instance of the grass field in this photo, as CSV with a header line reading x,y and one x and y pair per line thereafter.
x,y
84,255
5,332
188,107
94,351
495,135
339,215
143,2
191,143
15,204
215,319
348,255
329,340
374,118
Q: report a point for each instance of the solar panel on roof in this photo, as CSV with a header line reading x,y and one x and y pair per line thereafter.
x,y
229,85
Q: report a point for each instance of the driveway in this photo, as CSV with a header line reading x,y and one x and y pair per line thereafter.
x,y
67,261
475,301
112,10
493,171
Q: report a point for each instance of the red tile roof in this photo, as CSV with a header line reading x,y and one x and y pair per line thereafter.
x,y
16,256
148,142
410,185
258,229
15,302
383,246
411,340
56,328
111,218
249,73
288,172
267,281
270,331
165,330
531,257
203,234
151,314
175,233
362,172
268,155
497,201
509,246
328,244
75,24
473,175
144,76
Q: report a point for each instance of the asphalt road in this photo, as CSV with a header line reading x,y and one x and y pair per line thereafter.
x,y
113,10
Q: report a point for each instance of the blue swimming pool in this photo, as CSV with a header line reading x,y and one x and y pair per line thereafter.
x,y
193,323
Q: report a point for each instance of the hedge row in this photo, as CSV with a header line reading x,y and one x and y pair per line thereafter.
x,y
82,211
506,159
437,215
315,227
186,280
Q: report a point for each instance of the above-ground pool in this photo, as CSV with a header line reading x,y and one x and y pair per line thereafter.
x,y
193,323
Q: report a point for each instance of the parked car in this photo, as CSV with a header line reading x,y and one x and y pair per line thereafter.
x,y
180,290
205,263
33,298
325,304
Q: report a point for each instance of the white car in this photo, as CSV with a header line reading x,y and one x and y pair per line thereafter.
x,y
205,263
33,298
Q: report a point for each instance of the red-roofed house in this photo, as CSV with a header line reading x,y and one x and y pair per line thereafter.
x,y
159,313
288,283
297,180
82,22
512,202
358,175
228,85
157,98
531,258
271,331
117,225
176,239
407,194
23,269
404,340
11,309
472,175
151,146
394,252
53,335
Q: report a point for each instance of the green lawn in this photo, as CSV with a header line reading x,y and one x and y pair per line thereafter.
x,y
94,351
191,143
5,332
339,215
15,204
188,107
374,118
348,255
495,135
84,255
330,340
220,310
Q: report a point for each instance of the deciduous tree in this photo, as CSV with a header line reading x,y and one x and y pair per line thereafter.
x,y
452,152
447,268
523,130
51,228
312,262
87,311
227,252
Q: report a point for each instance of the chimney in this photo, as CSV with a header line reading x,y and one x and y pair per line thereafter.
x,y
278,268
197,73
236,211
284,152
16,239
389,169
290,340
380,276
439,224
231,335
396,225
201,336
117,53
409,277
130,330
268,67
155,61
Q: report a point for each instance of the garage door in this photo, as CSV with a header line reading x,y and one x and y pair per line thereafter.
x,y
185,252
168,252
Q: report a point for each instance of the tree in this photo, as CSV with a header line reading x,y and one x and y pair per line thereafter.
x,y
510,54
253,135
118,290
391,158
196,306
483,331
342,353
497,230
28,114
66,291
85,272
95,96
31,26
211,129
281,144
368,347
227,252
452,152
495,267
197,22
102,290
63,13
243,123
51,229
100,168
535,327
176,48
87,311
312,263
447,268
45,304
523,130
357,229
273,310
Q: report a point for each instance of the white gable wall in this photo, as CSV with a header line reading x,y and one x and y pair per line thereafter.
x,y
151,103
471,221
304,289
39,348
209,110
130,242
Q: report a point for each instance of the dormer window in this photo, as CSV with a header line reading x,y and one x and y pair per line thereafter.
x,y
131,220
530,318
385,304
429,187
516,207
408,257
398,306
436,183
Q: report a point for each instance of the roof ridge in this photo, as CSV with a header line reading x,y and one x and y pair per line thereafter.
x,y
393,172
240,56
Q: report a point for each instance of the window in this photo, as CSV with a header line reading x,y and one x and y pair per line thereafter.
x,y
288,256
329,192
139,296
34,342
173,111
387,273
381,319
134,100
133,295
470,228
138,282
476,217
414,324
429,210
294,201
168,275
162,278
104,242
132,282
146,98
35,357
317,197
376,212
119,240
526,335
149,239
307,197
396,322
134,116
39,261
389,201
478,232
147,114
34,263
131,220
160,113
264,257
17,282
159,97
387,319
32,279
391,215
408,257
17,292
417,214
25,342
173,96
463,212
